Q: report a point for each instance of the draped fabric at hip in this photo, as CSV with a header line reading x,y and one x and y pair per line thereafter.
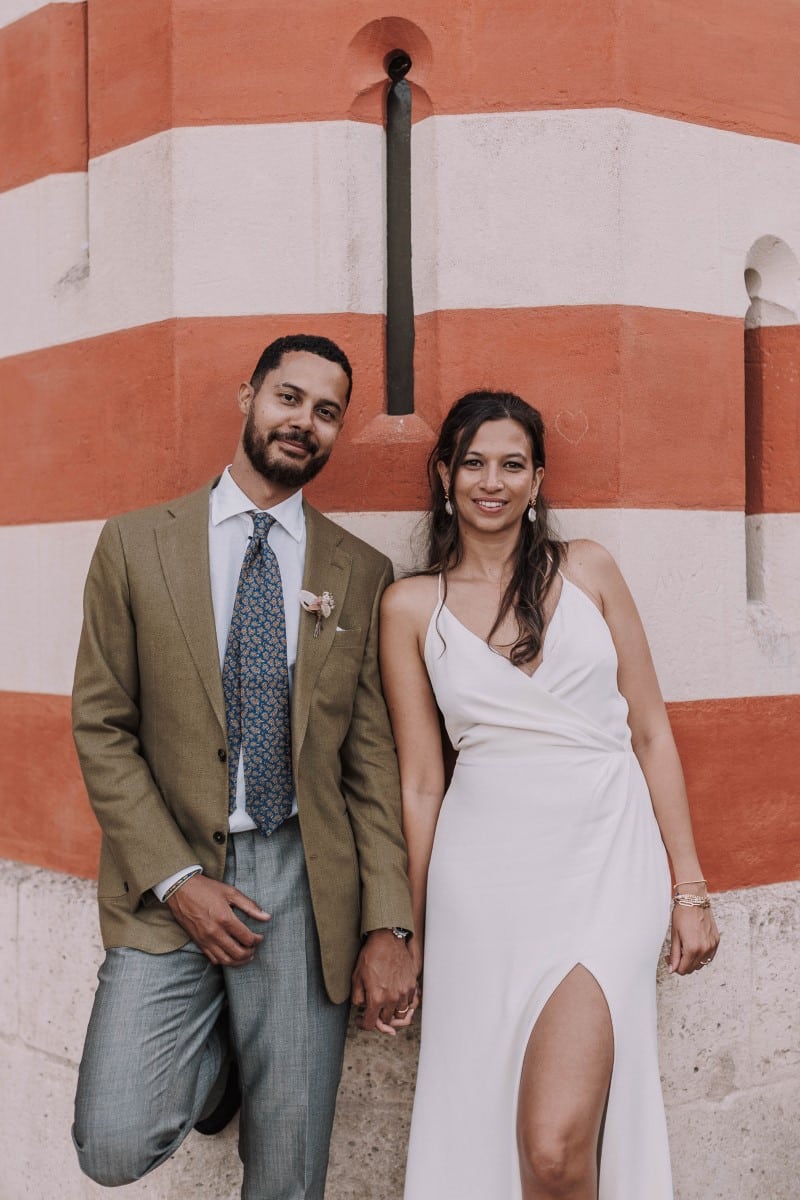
x,y
255,680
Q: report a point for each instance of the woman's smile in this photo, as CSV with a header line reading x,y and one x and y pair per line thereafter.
x,y
489,506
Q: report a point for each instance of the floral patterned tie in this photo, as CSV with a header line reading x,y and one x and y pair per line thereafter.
x,y
255,680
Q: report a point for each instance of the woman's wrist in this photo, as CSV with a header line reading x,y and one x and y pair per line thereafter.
x,y
691,887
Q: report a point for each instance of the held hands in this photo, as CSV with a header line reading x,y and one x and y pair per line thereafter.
x,y
204,908
384,983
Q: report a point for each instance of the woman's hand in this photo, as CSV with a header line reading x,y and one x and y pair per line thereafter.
x,y
415,950
695,938
404,1016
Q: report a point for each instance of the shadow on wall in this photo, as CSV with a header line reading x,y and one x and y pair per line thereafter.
x,y
772,379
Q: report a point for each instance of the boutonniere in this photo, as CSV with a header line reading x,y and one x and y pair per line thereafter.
x,y
322,606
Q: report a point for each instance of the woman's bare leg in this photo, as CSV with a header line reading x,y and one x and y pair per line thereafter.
x,y
565,1080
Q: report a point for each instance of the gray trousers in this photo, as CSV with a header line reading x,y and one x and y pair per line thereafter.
x,y
154,1047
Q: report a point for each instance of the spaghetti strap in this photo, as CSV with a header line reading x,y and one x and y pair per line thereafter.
x,y
439,591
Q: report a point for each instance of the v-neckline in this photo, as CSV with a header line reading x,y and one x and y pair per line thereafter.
x,y
505,657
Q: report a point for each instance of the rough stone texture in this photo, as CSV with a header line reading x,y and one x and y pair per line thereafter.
x,y
11,875
729,1052
372,1116
776,987
742,1149
58,956
704,1019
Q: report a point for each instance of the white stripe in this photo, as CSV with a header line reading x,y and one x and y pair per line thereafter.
x,y
595,207
202,222
510,210
42,571
44,252
13,10
687,572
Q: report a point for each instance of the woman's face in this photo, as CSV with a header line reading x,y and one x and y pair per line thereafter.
x,y
496,481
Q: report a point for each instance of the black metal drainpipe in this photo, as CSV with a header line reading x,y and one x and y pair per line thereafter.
x,y
399,294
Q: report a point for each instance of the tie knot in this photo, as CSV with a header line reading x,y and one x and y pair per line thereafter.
x,y
262,523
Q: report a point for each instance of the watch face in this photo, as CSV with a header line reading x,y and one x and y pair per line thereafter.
x,y
399,932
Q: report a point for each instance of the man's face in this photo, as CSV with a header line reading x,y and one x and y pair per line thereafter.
x,y
293,420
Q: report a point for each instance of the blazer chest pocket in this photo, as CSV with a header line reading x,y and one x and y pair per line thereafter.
x,y
343,661
347,639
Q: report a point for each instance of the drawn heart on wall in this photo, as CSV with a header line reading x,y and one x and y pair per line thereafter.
x,y
573,426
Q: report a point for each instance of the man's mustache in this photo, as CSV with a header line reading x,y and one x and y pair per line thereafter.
x,y
300,439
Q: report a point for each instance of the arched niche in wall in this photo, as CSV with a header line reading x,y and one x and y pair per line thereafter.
x,y
772,394
772,279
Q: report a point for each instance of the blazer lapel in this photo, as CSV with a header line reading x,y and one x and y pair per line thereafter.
x,y
183,550
327,568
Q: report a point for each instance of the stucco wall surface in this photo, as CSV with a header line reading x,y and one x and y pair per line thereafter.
x,y
730,1054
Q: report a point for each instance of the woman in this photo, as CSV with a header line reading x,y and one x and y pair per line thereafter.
x,y
545,892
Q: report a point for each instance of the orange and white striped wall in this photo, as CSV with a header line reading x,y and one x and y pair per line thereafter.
x,y
605,219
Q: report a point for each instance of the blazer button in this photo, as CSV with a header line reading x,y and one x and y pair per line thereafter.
x,y
221,755
125,886
218,836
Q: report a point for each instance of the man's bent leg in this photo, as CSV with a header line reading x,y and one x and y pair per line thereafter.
x,y
289,1038
151,1056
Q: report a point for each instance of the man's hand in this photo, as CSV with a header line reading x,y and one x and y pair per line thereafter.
x,y
384,983
204,908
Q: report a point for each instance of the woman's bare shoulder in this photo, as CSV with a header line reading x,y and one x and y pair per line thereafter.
x,y
591,566
411,598
586,554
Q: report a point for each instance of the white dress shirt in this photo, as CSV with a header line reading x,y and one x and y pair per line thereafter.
x,y
230,527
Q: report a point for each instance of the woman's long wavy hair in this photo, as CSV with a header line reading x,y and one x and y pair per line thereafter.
x,y
539,553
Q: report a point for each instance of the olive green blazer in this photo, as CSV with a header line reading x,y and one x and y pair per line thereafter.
x,y
149,727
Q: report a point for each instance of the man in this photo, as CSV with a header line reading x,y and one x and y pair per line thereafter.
x,y
237,753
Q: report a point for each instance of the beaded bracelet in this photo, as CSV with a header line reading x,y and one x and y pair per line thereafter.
x,y
687,900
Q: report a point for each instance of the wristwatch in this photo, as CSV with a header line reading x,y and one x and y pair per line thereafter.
x,y
402,934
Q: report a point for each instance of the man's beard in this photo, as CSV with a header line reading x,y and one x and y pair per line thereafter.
x,y
285,473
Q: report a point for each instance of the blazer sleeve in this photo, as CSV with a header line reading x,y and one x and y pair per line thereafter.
x,y
371,789
146,844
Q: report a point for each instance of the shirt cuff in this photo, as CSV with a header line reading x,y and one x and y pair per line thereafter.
x,y
160,889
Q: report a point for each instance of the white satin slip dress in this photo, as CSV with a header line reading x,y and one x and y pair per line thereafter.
x,y
547,855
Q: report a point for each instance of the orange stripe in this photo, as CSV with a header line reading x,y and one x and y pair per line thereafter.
x,y
723,63
741,768
133,57
43,94
773,418
634,399
743,773
47,819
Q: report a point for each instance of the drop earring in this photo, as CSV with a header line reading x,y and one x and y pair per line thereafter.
x,y
448,508
532,511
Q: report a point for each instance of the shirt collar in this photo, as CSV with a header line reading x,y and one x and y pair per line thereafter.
x,y
228,500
